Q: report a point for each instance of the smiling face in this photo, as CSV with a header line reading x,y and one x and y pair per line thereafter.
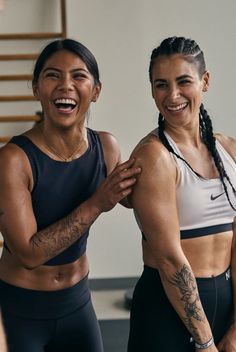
x,y
177,89
65,89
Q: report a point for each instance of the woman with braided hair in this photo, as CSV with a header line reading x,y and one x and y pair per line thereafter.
x,y
184,202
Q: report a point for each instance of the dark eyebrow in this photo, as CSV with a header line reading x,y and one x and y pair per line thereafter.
x,y
80,70
50,69
58,70
162,80
183,77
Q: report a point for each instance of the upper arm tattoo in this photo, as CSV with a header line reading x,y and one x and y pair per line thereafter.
x,y
186,283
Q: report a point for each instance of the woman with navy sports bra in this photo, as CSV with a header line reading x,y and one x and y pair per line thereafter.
x,y
184,202
56,179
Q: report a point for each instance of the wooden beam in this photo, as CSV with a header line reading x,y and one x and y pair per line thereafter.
x,y
4,139
17,98
16,77
63,19
20,118
7,57
25,36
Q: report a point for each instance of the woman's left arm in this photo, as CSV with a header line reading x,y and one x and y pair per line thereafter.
x,y
228,342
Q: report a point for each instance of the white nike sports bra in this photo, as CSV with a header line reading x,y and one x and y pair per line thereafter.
x,y
203,207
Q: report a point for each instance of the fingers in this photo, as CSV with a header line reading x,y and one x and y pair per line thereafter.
x,y
125,170
121,188
118,196
117,185
123,178
126,164
133,171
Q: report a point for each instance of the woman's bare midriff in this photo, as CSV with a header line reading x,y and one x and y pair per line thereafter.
x,y
207,255
43,278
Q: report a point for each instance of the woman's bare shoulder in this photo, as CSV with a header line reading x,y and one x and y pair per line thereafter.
x,y
150,147
13,161
229,144
111,149
10,153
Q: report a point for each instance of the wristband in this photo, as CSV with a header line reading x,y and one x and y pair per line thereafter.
x,y
203,346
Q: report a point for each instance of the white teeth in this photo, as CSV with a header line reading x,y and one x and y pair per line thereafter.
x,y
65,101
178,107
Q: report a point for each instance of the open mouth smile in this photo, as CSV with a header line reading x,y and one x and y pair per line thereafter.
x,y
177,108
65,105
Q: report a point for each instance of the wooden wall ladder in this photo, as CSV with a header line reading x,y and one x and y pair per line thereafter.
x,y
26,77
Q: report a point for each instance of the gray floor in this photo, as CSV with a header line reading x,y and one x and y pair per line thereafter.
x,y
113,318
115,335
109,304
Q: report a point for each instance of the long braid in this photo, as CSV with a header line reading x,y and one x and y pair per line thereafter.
x,y
193,54
210,142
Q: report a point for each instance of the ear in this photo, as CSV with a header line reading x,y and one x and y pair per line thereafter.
x,y
206,80
152,91
35,91
97,90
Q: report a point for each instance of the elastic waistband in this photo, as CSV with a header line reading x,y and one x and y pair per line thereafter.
x,y
36,304
207,283
205,231
203,283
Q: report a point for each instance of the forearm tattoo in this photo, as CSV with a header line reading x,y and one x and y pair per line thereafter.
x,y
61,235
1,212
186,283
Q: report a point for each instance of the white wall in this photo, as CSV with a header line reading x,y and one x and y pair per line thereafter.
x,y
122,34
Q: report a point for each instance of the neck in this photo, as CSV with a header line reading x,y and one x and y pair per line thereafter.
x,y
66,146
185,135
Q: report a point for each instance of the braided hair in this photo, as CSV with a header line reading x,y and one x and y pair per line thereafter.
x,y
193,54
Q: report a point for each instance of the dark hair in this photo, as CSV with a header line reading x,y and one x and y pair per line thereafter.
x,y
179,45
72,46
193,54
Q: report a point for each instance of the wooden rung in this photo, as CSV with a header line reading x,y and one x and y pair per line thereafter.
x,y
63,18
16,36
15,77
4,139
17,98
7,57
20,118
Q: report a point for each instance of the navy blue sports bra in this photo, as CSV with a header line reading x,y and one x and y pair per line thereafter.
x,y
59,187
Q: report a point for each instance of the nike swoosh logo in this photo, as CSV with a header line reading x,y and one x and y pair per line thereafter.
x,y
215,197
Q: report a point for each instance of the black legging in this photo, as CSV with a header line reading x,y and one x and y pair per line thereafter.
x,y
55,321
156,327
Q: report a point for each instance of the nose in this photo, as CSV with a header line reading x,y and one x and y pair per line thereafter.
x,y
66,83
174,92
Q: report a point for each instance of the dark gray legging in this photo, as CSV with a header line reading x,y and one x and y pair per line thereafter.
x,y
56,321
155,325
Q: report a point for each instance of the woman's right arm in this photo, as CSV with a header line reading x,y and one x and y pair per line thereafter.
x,y
154,201
3,340
17,221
